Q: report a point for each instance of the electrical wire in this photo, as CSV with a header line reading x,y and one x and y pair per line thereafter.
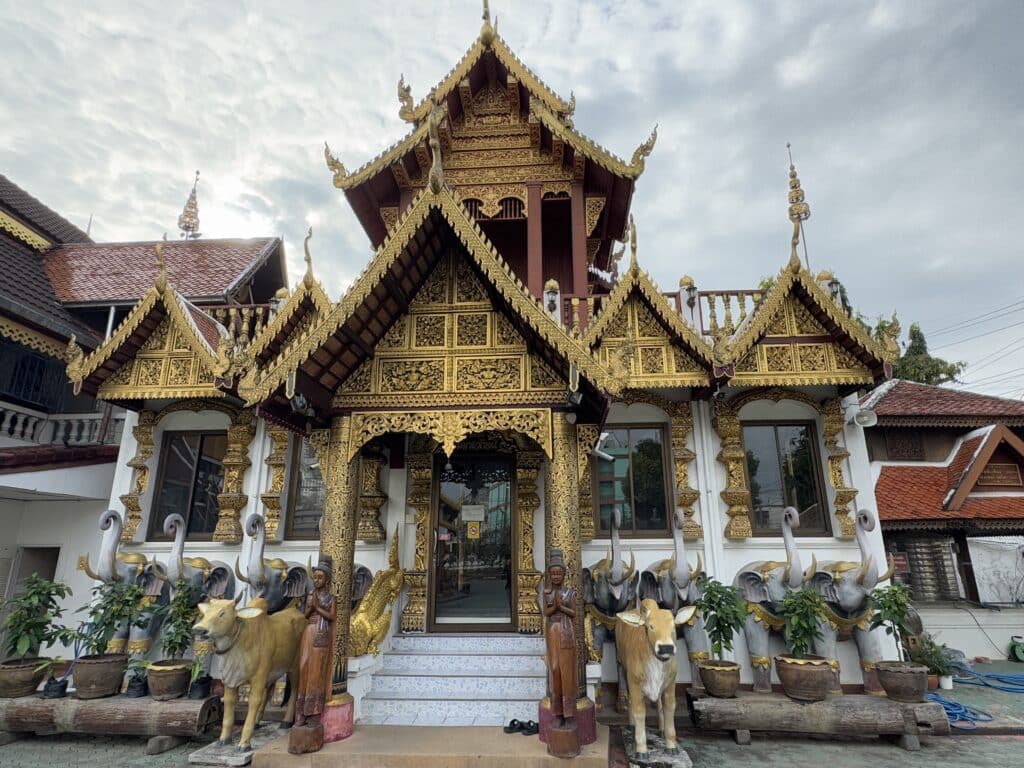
x,y
975,318
978,336
994,357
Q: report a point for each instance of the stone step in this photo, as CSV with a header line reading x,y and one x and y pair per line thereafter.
x,y
453,687
447,644
446,711
482,664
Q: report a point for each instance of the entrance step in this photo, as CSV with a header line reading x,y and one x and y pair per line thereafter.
x,y
457,679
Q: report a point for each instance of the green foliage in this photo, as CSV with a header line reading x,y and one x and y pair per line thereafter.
x,y
765,283
933,656
891,604
50,664
801,611
31,622
724,613
116,604
137,668
196,670
917,364
176,635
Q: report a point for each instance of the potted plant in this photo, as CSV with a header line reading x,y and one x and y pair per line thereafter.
x,y
30,626
169,678
933,655
137,685
901,680
117,604
56,671
724,614
804,677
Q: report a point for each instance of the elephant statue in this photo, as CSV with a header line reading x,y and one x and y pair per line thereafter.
x,y
133,567
609,587
764,584
674,586
846,589
277,582
212,580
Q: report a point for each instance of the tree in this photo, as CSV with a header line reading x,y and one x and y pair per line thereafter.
x,y
917,364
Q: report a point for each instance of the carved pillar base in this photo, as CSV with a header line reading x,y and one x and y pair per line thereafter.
x,y
229,527
371,499
414,615
736,494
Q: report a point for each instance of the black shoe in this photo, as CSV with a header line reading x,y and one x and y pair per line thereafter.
x,y
530,728
514,726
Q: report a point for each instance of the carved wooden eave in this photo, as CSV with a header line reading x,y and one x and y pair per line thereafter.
x,y
301,310
672,354
165,348
798,335
334,348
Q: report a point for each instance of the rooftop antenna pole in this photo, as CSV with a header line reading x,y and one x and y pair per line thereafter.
x,y
88,227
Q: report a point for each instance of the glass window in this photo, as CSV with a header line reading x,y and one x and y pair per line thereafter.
x,y
31,379
783,471
634,481
306,494
191,478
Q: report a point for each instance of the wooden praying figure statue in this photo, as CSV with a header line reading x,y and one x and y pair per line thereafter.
x,y
316,652
560,637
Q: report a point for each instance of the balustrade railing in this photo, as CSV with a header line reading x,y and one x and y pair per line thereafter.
x,y
35,427
726,310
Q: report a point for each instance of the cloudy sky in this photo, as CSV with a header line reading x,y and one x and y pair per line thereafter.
x,y
906,121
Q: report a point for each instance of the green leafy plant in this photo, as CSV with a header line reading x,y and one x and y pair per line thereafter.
x,y
891,605
933,656
31,623
116,604
802,610
723,611
48,665
197,669
176,634
137,668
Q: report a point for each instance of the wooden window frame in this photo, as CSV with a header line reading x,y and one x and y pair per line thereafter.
x,y
294,483
819,483
666,468
156,532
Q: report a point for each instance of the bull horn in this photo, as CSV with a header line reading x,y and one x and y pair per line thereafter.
x,y
698,569
892,568
865,567
812,569
83,564
789,567
238,598
238,574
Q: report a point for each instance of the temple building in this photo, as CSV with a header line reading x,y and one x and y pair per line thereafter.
x,y
502,378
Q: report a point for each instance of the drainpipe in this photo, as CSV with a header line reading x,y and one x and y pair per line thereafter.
x,y
101,434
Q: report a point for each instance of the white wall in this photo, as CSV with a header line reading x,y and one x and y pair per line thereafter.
x,y
998,568
975,631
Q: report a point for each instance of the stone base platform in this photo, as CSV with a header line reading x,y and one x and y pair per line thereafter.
x,y
384,746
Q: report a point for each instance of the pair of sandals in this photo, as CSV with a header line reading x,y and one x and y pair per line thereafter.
x,y
529,728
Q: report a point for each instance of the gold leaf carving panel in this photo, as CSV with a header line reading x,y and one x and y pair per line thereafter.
x,y
471,330
488,374
429,331
412,375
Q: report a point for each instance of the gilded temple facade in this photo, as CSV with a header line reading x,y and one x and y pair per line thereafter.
x,y
502,378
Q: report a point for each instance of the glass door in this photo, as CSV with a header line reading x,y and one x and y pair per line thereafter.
x,y
472,544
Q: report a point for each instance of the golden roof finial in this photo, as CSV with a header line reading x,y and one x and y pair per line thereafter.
x,y
436,175
308,277
799,212
487,32
188,221
161,265
334,165
645,149
405,99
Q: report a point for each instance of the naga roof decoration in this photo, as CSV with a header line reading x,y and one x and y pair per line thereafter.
x,y
187,330
259,385
637,282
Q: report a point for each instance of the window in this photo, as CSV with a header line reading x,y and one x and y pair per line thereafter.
x,y
635,481
306,493
31,379
191,477
783,471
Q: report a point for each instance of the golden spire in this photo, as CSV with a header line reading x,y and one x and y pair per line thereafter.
x,y
799,212
161,265
188,221
436,175
308,277
487,32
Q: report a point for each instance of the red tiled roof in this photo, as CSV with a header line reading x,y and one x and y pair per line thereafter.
x,y
962,460
208,328
913,402
123,272
41,218
912,493
993,507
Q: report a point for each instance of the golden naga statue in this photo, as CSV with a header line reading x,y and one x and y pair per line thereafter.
x,y
370,623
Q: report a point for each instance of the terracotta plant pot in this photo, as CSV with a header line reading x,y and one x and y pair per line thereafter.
x,y
933,682
903,680
99,675
806,679
720,678
168,679
18,677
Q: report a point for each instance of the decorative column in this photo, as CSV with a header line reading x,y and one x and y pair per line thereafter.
x,y
420,469
736,494
586,439
682,425
231,500
277,461
528,617
579,247
338,531
371,499
534,240
832,412
143,433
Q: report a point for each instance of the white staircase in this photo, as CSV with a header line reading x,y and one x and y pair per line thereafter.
x,y
457,679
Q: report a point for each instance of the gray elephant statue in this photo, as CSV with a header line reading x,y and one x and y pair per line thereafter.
x,y
211,579
764,584
674,586
846,589
132,567
276,581
609,587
